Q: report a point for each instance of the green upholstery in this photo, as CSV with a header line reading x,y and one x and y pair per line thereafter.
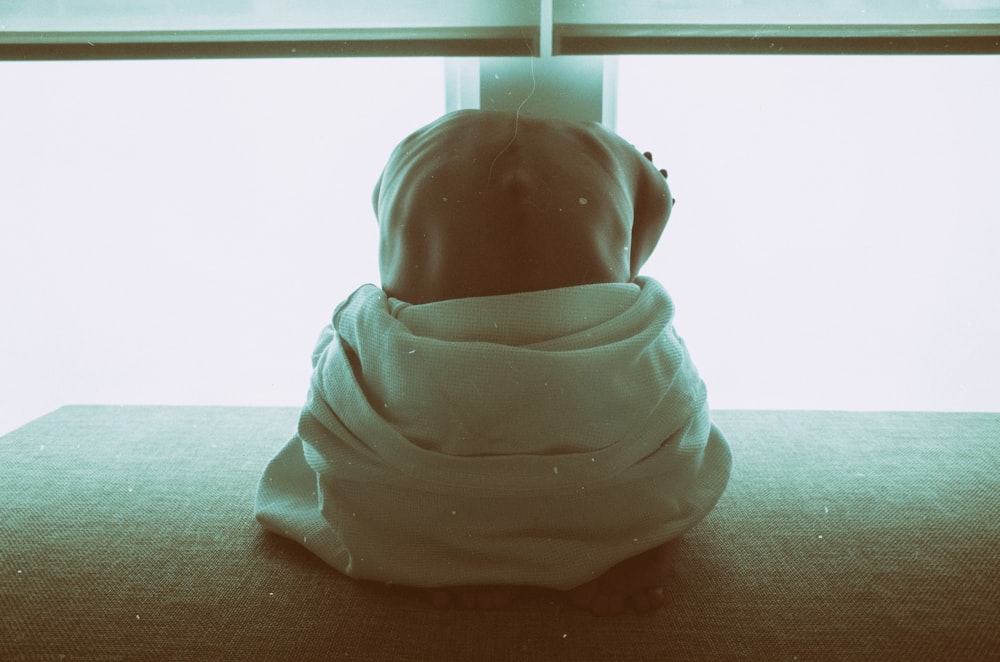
x,y
127,533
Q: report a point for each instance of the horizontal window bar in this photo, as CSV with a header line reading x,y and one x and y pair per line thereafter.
x,y
153,29
54,16
776,12
866,39
349,42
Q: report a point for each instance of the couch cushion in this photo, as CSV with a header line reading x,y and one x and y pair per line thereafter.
x,y
128,533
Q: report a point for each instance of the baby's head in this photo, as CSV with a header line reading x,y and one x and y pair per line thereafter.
x,y
480,203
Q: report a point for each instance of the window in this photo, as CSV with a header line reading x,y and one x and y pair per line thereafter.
x,y
177,231
99,29
72,29
777,26
835,238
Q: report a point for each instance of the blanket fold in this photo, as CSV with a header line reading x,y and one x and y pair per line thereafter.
x,y
534,438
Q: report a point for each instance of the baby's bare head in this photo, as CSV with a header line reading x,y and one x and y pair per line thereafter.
x,y
481,203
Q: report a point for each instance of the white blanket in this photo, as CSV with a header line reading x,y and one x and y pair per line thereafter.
x,y
533,439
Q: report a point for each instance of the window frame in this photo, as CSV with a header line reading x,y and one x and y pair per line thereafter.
x,y
483,28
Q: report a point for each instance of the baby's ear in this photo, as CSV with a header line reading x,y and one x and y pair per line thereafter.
x,y
375,195
651,210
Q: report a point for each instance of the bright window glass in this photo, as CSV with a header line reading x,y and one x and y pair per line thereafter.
x,y
144,15
177,232
775,12
835,241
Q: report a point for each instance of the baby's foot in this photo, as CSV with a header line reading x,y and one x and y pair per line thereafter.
x,y
473,597
634,583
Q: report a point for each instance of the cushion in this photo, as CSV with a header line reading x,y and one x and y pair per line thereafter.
x,y
128,533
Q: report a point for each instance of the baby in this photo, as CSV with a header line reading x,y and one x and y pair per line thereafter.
x,y
513,406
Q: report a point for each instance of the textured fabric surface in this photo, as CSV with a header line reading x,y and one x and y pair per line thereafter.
x,y
127,533
536,438
480,202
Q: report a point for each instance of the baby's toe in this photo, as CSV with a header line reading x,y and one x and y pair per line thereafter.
x,y
599,605
639,603
467,598
647,600
439,597
655,597
616,604
486,599
608,604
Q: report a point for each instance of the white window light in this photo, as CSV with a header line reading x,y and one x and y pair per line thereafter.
x,y
99,29
533,53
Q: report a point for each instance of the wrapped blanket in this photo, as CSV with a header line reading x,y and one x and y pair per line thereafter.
x,y
535,438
